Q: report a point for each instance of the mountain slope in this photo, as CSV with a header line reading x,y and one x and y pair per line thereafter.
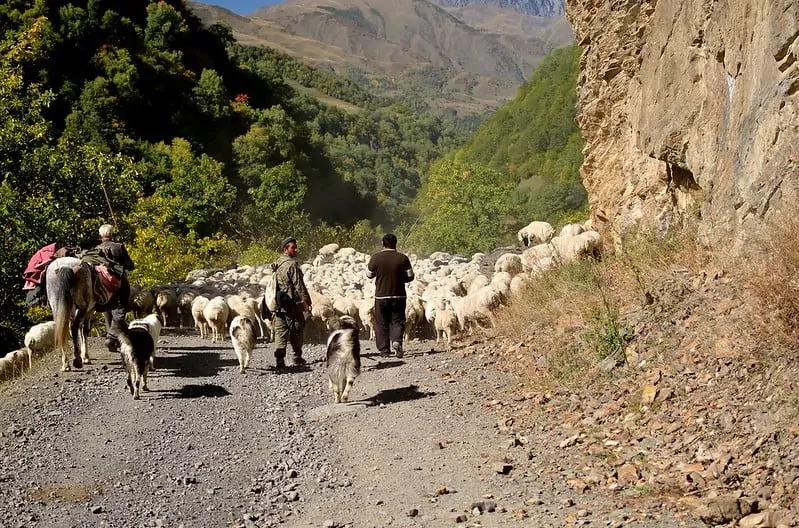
x,y
495,49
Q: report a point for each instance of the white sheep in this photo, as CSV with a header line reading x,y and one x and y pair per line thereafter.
x,y
240,306
366,313
216,313
39,340
571,230
325,254
509,262
322,310
446,325
197,307
535,233
519,283
532,257
570,249
414,315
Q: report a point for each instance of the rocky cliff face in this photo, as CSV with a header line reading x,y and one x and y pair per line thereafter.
x,y
689,109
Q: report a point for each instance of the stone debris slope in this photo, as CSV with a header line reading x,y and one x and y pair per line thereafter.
x,y
700,416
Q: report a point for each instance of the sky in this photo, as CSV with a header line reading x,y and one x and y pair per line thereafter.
x,y
241,7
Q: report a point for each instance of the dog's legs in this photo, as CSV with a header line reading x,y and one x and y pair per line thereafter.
x,y
129,382
136,384
240,357
334,390
246,360
345,395
144,375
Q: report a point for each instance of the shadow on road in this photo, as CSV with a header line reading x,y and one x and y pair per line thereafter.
x,y
206,390
386,364
193,365
201,347
409,393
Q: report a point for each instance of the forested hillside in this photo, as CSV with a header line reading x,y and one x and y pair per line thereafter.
x,y
522,164
200,152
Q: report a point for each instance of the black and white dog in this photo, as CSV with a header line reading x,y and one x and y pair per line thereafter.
x,y
137,348
343,358
153,323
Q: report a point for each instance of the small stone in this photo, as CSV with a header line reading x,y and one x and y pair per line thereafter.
x,y
461,517
502,469
413,512
97,509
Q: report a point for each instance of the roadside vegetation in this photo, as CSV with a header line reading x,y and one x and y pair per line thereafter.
x,y
577,315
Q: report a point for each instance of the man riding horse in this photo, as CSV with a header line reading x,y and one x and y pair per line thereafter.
x,y
120,264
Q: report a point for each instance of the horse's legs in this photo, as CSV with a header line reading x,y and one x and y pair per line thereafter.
x,y
64,361
78,339
87,325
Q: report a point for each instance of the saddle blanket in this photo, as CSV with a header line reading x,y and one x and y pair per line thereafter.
x,y
106,284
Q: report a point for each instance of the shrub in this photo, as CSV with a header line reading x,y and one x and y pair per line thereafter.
x,y
772,276
576,314
161,255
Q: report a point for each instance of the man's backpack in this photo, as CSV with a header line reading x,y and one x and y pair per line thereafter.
x,y
269,302
274,300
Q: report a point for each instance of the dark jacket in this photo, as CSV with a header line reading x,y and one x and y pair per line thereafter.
x,y
391,270
113,254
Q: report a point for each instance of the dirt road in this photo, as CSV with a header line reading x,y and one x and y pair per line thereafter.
x,y
428,441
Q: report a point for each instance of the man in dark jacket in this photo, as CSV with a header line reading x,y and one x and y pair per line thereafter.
x,y
120,264
293,302
391,270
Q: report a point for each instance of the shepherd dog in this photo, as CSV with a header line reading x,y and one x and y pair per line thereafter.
x,y
137,348
153,323
343,358
243,335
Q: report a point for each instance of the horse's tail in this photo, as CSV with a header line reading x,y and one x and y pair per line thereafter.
x,y
62,304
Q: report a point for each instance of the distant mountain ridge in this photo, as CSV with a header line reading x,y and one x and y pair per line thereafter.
x,y
542,8
476,56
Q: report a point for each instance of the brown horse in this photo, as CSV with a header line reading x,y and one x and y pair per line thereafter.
x,y
72,298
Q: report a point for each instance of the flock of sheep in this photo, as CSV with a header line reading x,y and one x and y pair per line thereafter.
x,y
450,293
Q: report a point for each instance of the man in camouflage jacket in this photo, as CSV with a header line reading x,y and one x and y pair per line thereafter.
x,y
293,302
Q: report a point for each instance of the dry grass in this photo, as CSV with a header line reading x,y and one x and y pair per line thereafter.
x,y
574,316
771,275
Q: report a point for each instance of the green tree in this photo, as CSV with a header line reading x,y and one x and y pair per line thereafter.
x,y
204,198
462,207
210,96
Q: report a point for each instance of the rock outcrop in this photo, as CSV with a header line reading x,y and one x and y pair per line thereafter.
x,y
689,110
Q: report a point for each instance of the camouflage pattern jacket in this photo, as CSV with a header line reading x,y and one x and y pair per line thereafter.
x,y
292,294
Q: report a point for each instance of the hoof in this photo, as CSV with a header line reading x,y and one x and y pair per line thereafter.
x,y
77,363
